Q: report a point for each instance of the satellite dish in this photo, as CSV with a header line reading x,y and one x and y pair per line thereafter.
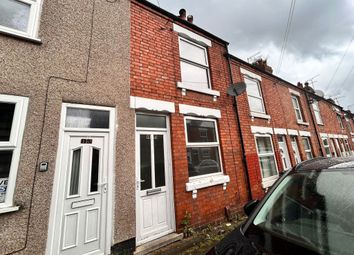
x,y
319,93
236,89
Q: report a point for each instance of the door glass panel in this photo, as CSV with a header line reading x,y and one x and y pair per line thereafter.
x,y
145,162
7,114
94,169
5,164
150,121
75,173
14,14
86,118
159,161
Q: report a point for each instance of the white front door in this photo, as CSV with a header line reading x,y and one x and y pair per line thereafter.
x,y
155,213
295,150
284,152
80,220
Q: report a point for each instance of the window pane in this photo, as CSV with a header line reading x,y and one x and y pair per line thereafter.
x,y
192,52
145,162
306,143
315,106
159,161
325,142
264,145
256,104
150,121
14,14
194,75
7,114
94,169
200,131
5,164
85,118
252,88
318,117
75,172
295,102
309,155
298,114
203,161
268,166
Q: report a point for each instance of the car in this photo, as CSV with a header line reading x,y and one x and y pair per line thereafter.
x,y
309,210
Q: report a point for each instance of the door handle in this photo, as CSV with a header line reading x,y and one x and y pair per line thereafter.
x,y
104,186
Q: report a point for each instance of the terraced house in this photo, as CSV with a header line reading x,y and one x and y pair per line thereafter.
x,y
120,120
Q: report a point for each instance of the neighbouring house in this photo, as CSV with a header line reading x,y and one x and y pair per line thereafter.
x,y
66,131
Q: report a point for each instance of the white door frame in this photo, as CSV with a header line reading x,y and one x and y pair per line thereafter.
x,y
284,145
110,172
169,176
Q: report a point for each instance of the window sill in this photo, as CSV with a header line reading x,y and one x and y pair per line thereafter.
x,y
204,182
200,90
260,115
268,182
352,134
21,36
321,124
9,209
303,123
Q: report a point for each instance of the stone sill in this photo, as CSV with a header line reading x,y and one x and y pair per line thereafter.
x,y
260,115
211,92
21,37
9,209
266,183
303,123
208,181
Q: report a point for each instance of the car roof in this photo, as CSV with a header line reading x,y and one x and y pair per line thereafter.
x,y
325,163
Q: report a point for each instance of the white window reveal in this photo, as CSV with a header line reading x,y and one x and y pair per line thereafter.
x,y
203,149
307,147
316,110
13,111
254,94
326,146
296,104
20,17
339,118
349,125
267,160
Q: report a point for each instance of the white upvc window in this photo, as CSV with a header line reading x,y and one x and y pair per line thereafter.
x,y
316,110
254,94
20,17
349,125
339,118
266,157
326,146
203,148
296,104
194,65
307,147
13,111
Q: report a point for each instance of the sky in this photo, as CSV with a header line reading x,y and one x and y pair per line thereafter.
x,y
321,32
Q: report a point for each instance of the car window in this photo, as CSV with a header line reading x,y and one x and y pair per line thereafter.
x,y
313,209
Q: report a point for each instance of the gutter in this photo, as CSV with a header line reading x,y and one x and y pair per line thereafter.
x,y
227,55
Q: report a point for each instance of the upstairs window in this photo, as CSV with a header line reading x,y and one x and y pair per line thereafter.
x,y
316,110
349,125
194,64
254,93
19,17
296,104
203,149
339,118
307,147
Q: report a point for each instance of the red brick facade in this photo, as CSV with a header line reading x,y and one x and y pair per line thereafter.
x,y
155,71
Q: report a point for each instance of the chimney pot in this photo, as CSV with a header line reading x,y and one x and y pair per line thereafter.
x,y
190,18
182,14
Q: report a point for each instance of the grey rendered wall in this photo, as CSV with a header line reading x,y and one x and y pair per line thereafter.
x,y
84,58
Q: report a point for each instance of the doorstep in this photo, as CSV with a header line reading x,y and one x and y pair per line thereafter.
x,y
158,243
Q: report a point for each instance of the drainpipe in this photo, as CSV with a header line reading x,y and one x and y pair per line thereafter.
x,y
314,123
240,130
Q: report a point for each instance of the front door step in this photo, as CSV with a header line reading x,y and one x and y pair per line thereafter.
x,y
158,243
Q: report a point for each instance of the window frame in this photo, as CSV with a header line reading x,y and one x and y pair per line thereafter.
x,y
258,82
317,110
298,108
33,21
305,138
327,146
205,145
273,177
190,62
14,144
340,121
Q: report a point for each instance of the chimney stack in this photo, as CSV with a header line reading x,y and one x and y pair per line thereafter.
x,y
182,14
262,64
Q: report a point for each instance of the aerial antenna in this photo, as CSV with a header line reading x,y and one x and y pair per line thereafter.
x,y
312,81
253,57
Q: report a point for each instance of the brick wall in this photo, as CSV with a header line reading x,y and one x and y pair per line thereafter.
x,y
155,70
